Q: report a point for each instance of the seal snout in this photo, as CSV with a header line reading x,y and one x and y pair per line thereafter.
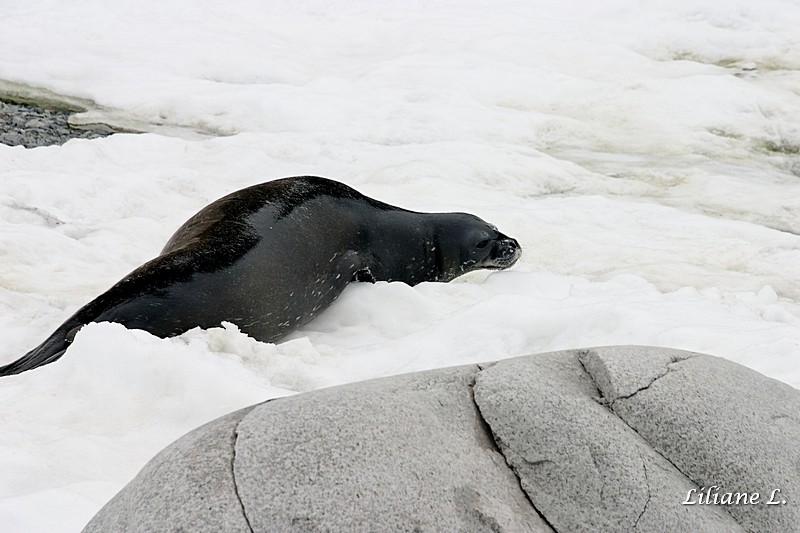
x,y
505,252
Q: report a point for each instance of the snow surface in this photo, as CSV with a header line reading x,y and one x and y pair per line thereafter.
x,y
645,154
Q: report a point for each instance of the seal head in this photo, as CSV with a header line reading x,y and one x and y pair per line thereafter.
x,y
472,244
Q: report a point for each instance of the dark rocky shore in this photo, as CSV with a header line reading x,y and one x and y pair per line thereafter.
x,y
30,126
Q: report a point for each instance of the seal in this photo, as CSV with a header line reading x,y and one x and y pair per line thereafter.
x,y
271,257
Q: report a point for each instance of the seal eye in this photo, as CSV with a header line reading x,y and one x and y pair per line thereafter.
x,y
482,244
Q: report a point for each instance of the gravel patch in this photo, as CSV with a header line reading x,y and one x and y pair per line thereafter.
x,y
30,126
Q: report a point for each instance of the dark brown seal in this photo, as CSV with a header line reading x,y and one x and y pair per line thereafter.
x,y
270,257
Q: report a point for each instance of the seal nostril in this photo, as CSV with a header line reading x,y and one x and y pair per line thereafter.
x,y
506,250
510,244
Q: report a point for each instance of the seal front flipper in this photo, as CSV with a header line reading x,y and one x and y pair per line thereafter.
x,y
357,266
364,275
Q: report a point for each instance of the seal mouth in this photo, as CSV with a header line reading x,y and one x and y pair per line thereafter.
x,y
505,252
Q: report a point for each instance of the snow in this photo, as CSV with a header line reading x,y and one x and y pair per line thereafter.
x,y
646,156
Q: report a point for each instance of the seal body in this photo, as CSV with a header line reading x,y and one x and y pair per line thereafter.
x,y
270,257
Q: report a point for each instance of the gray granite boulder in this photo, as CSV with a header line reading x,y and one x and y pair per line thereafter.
x,y
719,423
581,465
604,439
188,486
403,454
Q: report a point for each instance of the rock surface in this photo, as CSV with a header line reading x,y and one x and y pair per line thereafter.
x,y
581,465
731,428
188,486
405,453
605,439
30,126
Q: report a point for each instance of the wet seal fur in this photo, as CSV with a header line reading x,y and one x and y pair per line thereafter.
x,y
270,257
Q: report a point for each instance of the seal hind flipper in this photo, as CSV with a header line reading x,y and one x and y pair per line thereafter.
x,y
50,350
41,355
135,284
